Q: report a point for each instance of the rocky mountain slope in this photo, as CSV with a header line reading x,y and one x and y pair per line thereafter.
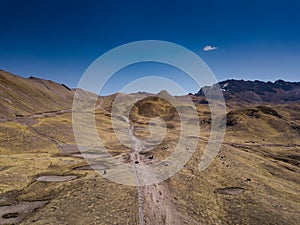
x,y
257,91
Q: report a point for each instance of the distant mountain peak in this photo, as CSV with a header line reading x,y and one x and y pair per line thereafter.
x,y
279,91
163,92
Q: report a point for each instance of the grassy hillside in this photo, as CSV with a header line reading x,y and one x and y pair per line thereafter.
x,y
21,96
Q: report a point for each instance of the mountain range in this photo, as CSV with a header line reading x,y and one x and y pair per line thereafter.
x,y
257,91
22,96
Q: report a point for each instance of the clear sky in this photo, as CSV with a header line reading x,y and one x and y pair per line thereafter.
x,y
58,40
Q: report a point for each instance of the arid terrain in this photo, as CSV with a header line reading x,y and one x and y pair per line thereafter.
x,y
45,179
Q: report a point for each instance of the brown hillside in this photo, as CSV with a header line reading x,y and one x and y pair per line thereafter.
x,y
21,96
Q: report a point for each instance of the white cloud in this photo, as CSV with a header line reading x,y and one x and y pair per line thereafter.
x,y
209,48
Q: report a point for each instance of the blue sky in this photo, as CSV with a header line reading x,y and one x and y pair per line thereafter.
x,y
58,40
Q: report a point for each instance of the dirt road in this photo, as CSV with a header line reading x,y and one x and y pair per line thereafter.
x,y
155,201
36,115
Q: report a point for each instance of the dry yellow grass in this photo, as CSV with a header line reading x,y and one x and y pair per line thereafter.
x,y
260,156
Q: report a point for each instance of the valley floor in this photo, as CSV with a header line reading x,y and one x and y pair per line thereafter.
x,y
45,180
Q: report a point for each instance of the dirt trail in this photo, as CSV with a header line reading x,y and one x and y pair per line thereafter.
x,y
135,156
158,207
36,115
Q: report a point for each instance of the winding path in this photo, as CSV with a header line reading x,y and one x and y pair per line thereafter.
x,y
135,156
159,206
36,115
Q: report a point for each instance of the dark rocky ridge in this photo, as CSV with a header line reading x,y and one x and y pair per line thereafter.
x,y
257,91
